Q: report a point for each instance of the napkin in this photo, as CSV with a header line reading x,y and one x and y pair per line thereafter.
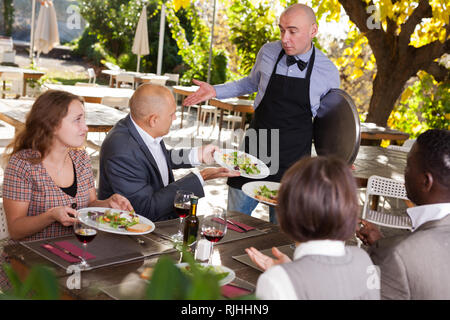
x,y
70,247
231,291
230,226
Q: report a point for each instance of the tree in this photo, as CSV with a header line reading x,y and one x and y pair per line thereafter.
x,y
405,37
195,50
111,30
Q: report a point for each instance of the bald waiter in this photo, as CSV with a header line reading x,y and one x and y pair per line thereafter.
x,y
135,163
290,77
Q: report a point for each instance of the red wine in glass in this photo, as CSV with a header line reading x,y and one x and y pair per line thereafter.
x,y
213,235
85,235
182,209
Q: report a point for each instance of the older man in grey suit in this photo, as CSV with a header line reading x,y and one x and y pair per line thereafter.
x,y
135,163
416,266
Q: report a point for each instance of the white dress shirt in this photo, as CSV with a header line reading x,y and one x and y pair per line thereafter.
x,y
274,283
154,146
324,75
421,214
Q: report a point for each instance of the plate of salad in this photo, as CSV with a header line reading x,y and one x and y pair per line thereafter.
x,y
115,221
263,191
225,275
248,165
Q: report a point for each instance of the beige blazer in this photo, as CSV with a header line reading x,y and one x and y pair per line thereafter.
x,y
415,266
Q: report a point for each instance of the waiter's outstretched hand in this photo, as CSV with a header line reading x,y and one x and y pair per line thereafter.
x,y
205,92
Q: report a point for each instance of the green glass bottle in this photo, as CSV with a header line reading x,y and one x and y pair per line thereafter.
x,y
191,224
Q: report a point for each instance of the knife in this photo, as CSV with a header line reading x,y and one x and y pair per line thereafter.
x,y
65,251
234,224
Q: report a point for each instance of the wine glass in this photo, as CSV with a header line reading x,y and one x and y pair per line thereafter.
x,y
214,228
85,233
182,205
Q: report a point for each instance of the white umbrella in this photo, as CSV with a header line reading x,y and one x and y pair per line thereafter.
x,y
140,43
46,36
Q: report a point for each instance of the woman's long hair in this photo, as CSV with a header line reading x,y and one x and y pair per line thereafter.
x,y
43,119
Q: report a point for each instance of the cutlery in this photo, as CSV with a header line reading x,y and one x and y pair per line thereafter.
x,y
139,241
233,224
65,251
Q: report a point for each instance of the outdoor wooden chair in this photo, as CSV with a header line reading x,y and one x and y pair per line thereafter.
x,y
386,188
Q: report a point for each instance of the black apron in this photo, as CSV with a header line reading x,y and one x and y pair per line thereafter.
x,y
285,106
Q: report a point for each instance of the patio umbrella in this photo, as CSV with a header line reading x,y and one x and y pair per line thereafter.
x,y
46,36
140,43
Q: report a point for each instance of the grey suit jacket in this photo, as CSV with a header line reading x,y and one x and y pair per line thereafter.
x,y
318,277
127,167
415,266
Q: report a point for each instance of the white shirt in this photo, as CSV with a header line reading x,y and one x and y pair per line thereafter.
x,y
154,146
421,214
274,283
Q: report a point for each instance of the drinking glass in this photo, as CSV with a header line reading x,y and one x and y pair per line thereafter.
x,y
182,205
85,233
214,228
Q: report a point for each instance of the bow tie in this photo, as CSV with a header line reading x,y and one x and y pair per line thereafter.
x,y
290,60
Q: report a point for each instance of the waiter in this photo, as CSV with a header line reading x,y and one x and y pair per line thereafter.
x,y
290,76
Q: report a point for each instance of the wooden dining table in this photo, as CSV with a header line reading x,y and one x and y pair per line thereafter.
x,y
383,162
139,77
93,94
99,118
96,284
28,74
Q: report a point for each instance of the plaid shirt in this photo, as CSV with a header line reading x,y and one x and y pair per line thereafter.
x,y
24,181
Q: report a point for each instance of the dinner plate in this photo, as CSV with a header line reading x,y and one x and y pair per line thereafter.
x,y
264,170
83,217
230,277
250,188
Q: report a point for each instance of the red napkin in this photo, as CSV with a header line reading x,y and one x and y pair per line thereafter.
x,y
70,247
230,226
230,291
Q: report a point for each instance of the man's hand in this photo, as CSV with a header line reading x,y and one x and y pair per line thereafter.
x,y
206,153
213,173
368,232
205,92
118,201
265,262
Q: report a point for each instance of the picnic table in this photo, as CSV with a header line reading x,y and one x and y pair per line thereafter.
x,y
139,77
28,74
107,280
99,118
93,94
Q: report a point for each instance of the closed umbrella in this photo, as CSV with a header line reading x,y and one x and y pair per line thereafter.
x,y
46,36
140,43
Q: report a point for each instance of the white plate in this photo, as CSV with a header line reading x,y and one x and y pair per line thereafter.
x,y
230,277
250,188
261,165
83,217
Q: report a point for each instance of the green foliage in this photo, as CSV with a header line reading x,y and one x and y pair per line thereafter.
x,y
170,283
40,284
195,50
111,30
424,105
8,16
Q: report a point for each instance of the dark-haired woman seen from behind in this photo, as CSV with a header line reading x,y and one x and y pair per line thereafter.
x,y
318,209
48,175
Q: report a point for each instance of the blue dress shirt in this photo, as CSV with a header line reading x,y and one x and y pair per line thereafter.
x,y
324,76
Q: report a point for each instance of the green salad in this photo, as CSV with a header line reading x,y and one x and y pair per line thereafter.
x,y
116,220
240,162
